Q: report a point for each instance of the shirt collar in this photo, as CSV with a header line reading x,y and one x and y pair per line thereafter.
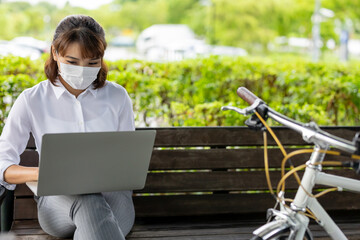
x,y
59,89
92,90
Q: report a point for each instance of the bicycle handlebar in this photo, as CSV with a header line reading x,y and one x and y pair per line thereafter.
x,y
245,94
310,133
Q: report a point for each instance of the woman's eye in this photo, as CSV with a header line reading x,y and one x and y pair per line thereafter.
x,y
93,63
71,62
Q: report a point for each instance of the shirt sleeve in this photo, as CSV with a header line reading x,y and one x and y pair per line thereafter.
x,y
126,115
14,137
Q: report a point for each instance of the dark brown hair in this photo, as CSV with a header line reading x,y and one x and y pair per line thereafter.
x,y
91,38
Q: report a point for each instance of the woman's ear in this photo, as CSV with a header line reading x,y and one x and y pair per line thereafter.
x,y
55,57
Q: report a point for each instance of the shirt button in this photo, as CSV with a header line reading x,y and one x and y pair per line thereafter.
x,y
81,123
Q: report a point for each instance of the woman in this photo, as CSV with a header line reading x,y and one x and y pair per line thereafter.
x,y
75,98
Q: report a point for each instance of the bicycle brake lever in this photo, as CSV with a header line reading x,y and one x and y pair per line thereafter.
x,y
244,111
254,123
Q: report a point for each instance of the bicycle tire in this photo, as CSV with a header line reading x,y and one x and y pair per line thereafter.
x,y
281,234
256,238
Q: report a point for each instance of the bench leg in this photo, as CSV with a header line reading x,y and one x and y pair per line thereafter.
x,y
7,210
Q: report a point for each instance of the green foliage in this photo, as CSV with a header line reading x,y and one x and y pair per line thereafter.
x,y
191,92
243,23
16,74
178,8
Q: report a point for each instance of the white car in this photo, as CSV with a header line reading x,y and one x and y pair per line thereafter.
x,y
169,42
173,42
10,48
31,42
161,35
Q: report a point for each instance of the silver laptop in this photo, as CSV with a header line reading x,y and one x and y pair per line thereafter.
x,y
80,163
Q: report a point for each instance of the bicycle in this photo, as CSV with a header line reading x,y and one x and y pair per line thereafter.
x,y
291,222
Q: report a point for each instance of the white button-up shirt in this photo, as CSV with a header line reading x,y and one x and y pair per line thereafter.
x,y
46,108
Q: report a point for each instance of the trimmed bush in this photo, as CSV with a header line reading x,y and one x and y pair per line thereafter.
x,y
191,92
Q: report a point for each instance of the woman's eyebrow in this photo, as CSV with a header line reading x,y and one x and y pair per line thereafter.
x,y
95,58
72,57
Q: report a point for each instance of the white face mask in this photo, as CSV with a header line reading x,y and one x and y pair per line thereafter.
x,y
78,77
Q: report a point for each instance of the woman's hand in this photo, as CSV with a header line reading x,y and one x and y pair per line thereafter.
x,y
16,174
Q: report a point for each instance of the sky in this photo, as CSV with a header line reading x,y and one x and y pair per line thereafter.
x,y
89,4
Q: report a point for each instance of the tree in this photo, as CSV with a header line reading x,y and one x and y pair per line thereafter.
x,y
178,9
243,23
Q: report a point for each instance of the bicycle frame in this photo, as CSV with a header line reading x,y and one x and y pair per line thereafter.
x,y
293,218
312,176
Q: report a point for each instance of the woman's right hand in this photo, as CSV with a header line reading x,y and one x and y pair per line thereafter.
x,y
16,174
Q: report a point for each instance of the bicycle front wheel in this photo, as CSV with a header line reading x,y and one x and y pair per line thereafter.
x,y
283,232
279,234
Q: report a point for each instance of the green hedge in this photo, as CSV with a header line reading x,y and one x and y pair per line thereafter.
x,y
191,92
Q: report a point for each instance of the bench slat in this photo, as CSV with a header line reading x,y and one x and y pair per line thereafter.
x,y
235,136
208,204
221,181
173,205
29,158
206,158
223,159
25,208
172,182
195,205
201,229
229,136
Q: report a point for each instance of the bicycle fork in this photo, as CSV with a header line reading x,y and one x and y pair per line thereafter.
x,y
304,200
293,218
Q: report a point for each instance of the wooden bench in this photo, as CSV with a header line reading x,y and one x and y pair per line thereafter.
x,y
205,183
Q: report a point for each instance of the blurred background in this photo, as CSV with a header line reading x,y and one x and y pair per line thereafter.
x,y
172,30
181,60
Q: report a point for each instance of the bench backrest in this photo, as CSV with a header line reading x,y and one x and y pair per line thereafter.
x,y
211,170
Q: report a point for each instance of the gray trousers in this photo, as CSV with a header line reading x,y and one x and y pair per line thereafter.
x,y
98,216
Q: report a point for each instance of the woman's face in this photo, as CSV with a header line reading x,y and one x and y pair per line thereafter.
x,y
73,56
